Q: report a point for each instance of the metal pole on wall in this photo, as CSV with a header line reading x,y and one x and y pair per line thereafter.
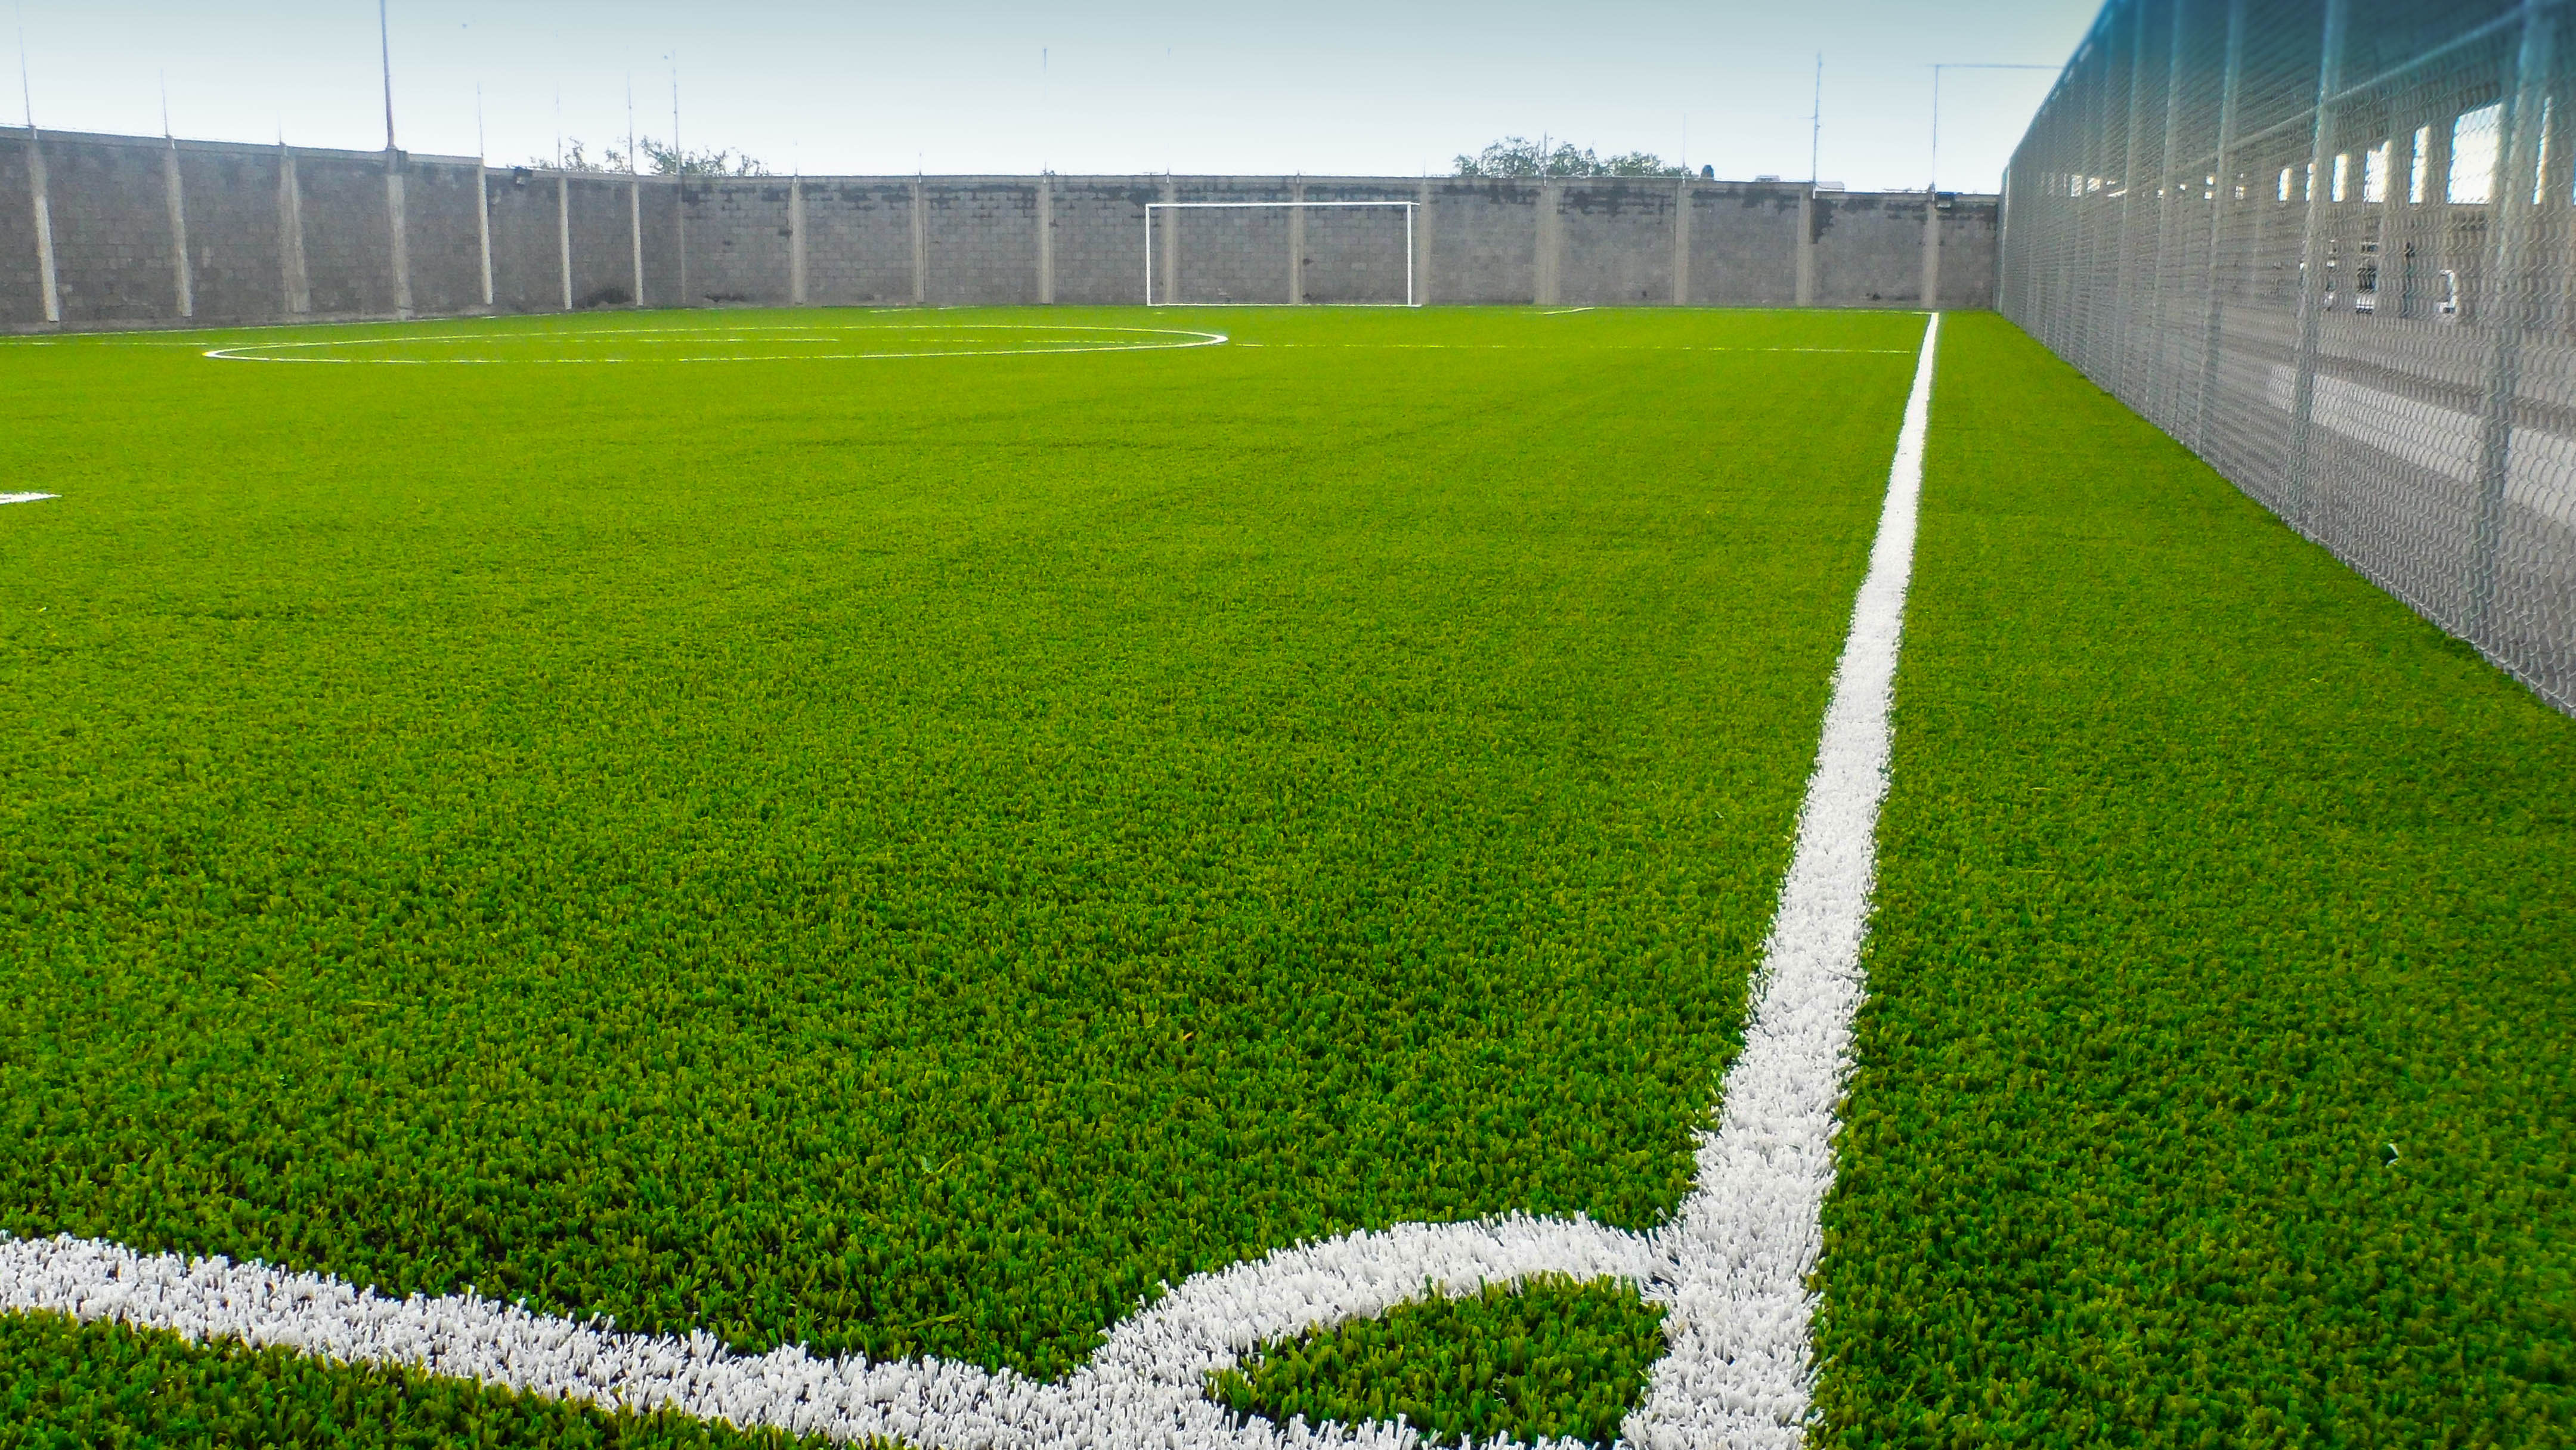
x,y
634,194
2312,266
2517,170
2221,192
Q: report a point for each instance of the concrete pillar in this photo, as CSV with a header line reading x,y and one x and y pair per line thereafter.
x,y
680,228
183,277
398,225
920,249
1297,243
635,230
1422,247
1046,239
2312,254
47,277
1681,242
796,241
1543,289
483,227
563,234
1931,251
2222,204
1807,246
293,280
1170,250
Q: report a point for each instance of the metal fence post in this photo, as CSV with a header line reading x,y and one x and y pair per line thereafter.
x,y
2125,286
2312,266
2517,171
2167,197
2222,191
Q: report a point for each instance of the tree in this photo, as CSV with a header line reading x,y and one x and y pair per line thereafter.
x,y
659,160
1518,156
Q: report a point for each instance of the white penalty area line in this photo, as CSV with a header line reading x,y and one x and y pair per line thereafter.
x,y
1729,1269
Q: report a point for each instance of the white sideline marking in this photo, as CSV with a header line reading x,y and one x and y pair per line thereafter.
x,y
251,352
1740,1370
1565,312
25,497
1730,1268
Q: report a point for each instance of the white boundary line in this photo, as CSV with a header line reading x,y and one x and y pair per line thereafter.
x,y
247,352
25,497
1730,1269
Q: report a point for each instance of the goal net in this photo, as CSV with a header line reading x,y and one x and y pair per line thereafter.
x,y
1278,253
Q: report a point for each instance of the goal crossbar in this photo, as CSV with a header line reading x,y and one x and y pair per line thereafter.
x,y
1151,207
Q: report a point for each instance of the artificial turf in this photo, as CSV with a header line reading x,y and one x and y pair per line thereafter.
x,y
2215,1082
1552,1359
900,856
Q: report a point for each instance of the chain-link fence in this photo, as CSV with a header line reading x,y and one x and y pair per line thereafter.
x,y
2331,246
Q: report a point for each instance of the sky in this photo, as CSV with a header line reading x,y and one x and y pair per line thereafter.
x,y
1327,87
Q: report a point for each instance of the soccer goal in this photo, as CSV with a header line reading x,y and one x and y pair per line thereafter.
x,y
1273,253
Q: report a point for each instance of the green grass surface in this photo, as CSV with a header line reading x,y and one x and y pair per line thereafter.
x,y
92,1387
1555,1359
901,856
2208,874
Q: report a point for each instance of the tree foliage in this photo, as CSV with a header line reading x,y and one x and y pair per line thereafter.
x,y
658,158
1518,156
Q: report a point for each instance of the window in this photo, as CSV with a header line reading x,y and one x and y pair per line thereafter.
x,y
2374,174
2285,183
2415,165
2342,170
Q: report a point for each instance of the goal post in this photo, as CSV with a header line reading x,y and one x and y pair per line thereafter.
x,y
1248,250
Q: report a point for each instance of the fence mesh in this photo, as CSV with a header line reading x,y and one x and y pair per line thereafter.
x,y
2331,246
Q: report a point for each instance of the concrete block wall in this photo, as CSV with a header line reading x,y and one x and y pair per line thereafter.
x,y
22,301
1744,244
115,258
858,243
738,242
230,202
277,234
444,250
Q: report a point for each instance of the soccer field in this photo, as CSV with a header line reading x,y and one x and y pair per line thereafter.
x,y
925,836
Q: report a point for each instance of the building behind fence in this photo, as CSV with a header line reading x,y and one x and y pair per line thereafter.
x,y
115,230
2329,244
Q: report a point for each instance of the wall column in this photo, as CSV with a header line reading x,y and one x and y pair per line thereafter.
x,y
183,276
1297,243
1806,249
563,234
1046,238
483,226
796,241
1543,251
1931,251
37,187
920,249
398,223
1171,254
1422,247
293,281
1681,242
635,230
